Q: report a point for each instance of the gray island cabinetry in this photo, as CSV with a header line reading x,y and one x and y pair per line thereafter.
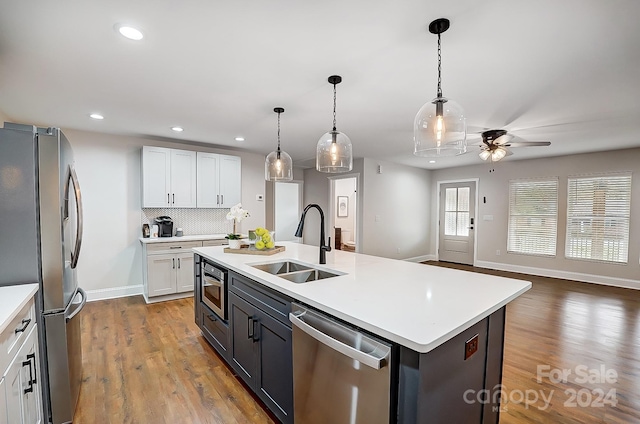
x,y
445,329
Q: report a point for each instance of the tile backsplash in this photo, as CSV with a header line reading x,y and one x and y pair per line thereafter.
x,y
192,221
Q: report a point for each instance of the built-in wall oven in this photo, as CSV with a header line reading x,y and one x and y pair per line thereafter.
x,y
214,288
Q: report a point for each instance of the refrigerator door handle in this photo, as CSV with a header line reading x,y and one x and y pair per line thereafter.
x,y
73,178
79,306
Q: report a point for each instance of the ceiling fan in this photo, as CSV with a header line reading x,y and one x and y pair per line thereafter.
x,y
495,144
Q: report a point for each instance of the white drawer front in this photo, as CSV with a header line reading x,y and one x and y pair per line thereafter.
x,y
15,333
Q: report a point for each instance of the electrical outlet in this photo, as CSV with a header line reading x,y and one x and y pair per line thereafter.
x,y
470,347
497,252
398,250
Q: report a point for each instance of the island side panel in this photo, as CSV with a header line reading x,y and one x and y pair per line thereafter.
x,y
441,386
495,358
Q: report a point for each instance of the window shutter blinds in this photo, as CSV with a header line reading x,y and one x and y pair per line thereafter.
x,y
598,212
533,217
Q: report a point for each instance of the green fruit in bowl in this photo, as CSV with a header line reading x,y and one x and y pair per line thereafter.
x,y
266,238
260,231
260,245
270,245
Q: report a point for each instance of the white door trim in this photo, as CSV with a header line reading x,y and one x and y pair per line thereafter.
x,y
332,205
475,217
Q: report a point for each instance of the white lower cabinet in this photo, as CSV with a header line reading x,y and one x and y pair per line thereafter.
x,y
20,400
168,269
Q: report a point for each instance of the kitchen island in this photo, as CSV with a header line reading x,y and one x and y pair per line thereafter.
x,y
446,326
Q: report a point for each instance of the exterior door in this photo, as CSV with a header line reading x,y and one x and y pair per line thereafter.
x,y
457,218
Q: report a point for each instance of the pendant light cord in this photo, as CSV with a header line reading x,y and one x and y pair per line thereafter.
x,y
278,135
439,94
334,107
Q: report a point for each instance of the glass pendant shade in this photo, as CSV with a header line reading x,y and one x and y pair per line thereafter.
x,y
334,153
278,167
440,129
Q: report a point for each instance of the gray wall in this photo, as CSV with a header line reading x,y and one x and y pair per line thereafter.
x,y
492,235
108,168
399,197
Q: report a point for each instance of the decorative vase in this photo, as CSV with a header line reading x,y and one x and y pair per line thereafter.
x,y
235,244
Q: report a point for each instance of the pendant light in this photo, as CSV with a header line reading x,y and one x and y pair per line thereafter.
x,y
334,151
440,128
278,165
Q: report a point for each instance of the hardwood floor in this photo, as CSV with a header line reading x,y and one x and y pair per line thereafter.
x,y
150,363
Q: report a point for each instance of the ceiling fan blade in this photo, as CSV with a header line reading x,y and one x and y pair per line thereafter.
x,y
503,139
527,143
509,152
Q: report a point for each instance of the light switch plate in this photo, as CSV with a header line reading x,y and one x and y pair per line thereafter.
x,y
470,347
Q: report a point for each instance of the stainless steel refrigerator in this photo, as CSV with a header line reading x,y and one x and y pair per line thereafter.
x,y
40,240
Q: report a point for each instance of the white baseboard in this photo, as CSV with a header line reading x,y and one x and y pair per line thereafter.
x,y
565,275
113,292
164,298
422,258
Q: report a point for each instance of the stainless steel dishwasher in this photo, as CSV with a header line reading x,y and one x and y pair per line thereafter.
x,y
340,375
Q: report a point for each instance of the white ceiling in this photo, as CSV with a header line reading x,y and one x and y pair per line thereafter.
x,y
564,71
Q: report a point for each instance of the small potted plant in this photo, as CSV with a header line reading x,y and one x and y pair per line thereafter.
x,y
236,214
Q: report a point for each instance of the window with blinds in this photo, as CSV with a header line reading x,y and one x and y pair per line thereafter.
x,y
598,212
533,217
456,212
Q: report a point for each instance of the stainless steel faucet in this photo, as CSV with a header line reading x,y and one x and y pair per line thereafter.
x,y
323,248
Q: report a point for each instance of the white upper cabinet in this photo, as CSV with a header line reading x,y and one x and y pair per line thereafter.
x,y
219,180
168,178
208,187
230,181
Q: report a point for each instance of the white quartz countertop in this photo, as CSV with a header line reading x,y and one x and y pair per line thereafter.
x,y
12,299
418,306
195,237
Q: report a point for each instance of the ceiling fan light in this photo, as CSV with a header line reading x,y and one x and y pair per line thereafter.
x,y
442,134
498,154
485,154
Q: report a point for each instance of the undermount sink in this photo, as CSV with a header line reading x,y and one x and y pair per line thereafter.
x,y
296,272
281,267
308,275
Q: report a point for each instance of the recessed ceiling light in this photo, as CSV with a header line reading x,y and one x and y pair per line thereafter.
x,y
130,32
432,161
177,129
96,116
239,138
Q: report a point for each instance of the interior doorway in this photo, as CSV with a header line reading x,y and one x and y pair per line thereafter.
x,y
344,212
287,210
456,233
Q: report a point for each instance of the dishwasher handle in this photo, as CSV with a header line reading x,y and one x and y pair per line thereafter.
x,y
376,362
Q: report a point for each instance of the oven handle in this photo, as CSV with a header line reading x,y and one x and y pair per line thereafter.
x,y
211,281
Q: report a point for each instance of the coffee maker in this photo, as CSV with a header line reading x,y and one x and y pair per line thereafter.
x,y
165,226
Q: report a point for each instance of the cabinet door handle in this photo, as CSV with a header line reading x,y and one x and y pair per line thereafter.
x,y
32,357
25,324
30,388
255,336
250,328
217,199
178,263
222,199
174,198
168,199
175,247
212,318
173,261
